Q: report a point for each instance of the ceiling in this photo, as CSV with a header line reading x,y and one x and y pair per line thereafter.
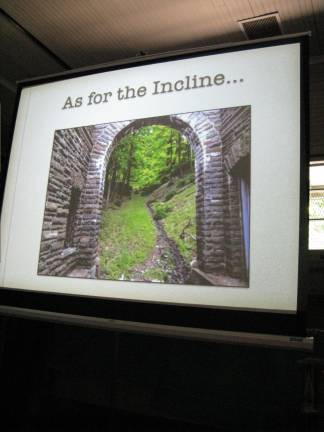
x,y
39,37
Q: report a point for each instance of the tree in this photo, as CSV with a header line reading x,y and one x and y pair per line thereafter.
x,y
144,159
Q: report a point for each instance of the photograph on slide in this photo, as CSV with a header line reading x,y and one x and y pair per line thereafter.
x,y
163,199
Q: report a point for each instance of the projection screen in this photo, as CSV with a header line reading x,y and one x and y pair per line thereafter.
x,y
167,189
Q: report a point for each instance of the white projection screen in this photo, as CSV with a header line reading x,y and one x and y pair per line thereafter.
x,y
167,189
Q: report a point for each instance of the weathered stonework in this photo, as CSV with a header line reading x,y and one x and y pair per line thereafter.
x,y
69,167
236,137
219,140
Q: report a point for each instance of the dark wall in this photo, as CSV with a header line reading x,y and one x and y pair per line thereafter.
x,y
316,263
7,102
317,109
55,376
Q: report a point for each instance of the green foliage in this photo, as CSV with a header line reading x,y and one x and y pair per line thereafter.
x,y
155,274
127,237
156,163
186,180
190,178
180,224
169,195
166,191
181,183
178,214
316,205
147,158
161,210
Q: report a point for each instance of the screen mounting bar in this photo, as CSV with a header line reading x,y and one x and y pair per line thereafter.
x,y
203,335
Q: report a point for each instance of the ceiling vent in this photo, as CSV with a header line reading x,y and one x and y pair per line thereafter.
x,y
262,26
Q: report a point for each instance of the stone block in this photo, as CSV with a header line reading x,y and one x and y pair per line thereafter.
x,y
84,241
51,206
47,235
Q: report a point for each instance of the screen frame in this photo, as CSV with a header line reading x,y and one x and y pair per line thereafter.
x,y
221,318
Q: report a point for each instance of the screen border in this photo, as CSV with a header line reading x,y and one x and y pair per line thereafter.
x,y
220,318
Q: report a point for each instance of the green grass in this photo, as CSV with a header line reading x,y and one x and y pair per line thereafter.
x,y
180,222
127,237
166,191
161,210
155,274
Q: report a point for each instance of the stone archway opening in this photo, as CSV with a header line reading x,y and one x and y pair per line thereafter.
x,y
150,179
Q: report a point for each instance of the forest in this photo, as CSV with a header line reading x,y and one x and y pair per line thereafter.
x,y
148,228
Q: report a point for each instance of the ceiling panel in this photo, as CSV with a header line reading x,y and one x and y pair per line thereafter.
x,y
95,31
296,16
86,32
261,7
239,10
224,28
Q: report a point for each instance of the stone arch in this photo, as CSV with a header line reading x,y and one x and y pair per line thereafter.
x,y
202,131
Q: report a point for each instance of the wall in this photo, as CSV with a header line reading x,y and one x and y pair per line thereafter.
x,y
236,137
69,167
83,377
317,109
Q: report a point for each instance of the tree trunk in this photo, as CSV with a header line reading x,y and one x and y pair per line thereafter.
x,y
130,165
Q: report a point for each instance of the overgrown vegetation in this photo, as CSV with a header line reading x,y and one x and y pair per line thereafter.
x,y
180,224
127,237
144,159
153,167
179,221
161,210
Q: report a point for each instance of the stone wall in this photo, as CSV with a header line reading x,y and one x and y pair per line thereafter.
x,y
80,156
236,137
69,168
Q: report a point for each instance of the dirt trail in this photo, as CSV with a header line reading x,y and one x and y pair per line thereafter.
x,y
165,257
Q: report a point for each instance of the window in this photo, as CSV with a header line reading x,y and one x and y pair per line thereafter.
x,y
73,207
316,206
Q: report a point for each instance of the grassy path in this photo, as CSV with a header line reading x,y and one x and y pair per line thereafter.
x,y
150,241
127,238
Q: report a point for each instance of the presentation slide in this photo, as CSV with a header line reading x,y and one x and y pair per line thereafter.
x,y
174,182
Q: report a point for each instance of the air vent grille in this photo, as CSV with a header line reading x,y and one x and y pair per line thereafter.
x,y
262,26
